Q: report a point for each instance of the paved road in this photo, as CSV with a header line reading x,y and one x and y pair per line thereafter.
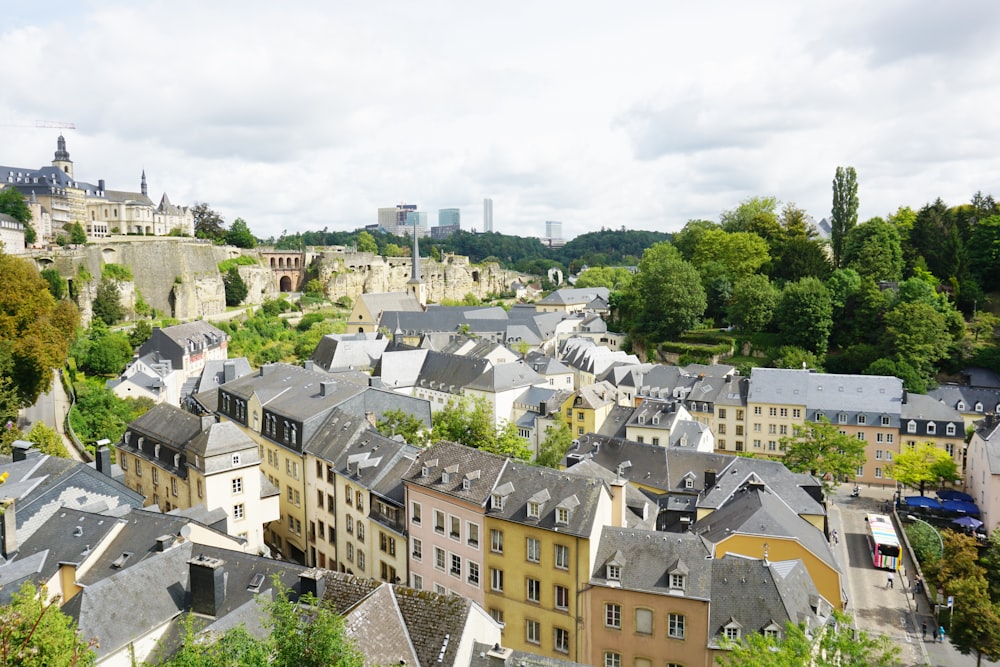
x,y
51,409
893,612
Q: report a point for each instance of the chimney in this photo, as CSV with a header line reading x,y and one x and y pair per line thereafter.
x,y
164,542
326,388
207,421
208,585
20,449
619,507
313,581
8,528
228,371
102,460
100,184
710,478
499,656
309,365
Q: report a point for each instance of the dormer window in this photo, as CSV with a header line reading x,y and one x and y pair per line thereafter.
x,y
642,419
842,418
732,631
677,581
562,516
424,471
466,484
773,631
885,420
445,477
688,483
862,419
911,426
979,407
614,572
236,459
931,428
961,405
496,502
533,509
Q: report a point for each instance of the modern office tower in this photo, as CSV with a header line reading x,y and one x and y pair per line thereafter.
x,y
553,230
488,215
449,216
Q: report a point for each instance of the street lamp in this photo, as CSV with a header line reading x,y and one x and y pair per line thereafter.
x,y
936,533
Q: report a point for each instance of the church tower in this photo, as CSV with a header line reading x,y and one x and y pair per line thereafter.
x,y
62,160
415,285
142,185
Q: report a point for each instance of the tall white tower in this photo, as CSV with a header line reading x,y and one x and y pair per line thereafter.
x,y
488,215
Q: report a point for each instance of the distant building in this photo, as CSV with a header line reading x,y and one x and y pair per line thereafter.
x,y
449,216
553,234
401,219
11,235
488,215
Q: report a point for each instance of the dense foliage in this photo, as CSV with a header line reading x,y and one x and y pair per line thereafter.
x,y
99,414
235,286
34,632
267,337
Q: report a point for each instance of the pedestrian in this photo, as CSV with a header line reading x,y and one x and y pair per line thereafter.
x,y
923,629
889,584
941,633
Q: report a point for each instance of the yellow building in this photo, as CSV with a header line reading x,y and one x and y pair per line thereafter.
x,y
542,528
367,310
590,407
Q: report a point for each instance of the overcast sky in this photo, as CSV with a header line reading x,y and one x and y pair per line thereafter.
x,y
302,115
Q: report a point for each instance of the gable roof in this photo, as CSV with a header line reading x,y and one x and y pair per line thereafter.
x,y
649,556
521,484
482,469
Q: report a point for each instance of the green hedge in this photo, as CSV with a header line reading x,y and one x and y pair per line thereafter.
x,y
242,260
703,351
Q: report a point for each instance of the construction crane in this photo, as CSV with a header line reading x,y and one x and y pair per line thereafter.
x,y
42,123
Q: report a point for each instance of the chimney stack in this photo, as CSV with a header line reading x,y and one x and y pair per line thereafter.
x,y
164,542
313,581
228,371
8,528
208,585
326,388
20,449
207,421
102,460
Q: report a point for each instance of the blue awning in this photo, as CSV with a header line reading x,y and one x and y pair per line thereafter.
x,y
961,507
952,494
922,501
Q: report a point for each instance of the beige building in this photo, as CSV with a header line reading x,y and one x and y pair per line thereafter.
x,y
178,461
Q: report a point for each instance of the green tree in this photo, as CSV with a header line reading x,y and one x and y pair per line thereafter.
x,y
14,204
398,422
753,302
917,333
845,210
820,449
140,333
838,645
236,288
57,284
975,620
507,442
558,440
394,250
873,249
923,464
107,353
612,277
668,291
804,315
687,239
208,224
741,253
756,214
984,252
471,423
34,632
366,242
239,235
797,258
35,329
107,302
77,234
47,440
789,356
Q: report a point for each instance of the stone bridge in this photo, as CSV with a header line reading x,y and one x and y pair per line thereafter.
x,y
288,268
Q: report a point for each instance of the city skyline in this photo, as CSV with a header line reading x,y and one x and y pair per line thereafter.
x,y
592,116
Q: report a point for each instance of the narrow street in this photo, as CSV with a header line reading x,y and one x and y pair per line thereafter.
x,y
51,409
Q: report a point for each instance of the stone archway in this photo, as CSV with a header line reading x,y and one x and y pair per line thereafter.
x,y
285,284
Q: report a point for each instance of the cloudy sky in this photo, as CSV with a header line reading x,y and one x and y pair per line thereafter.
x,y
303,115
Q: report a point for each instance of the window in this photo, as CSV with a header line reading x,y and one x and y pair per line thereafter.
x,y
784,429
291,493
298,498
911,426
613,615
950,429
562,514
496,502
860,435
675,626
238,511
456,565
676,580
562,597
348,496
415,513
862,419
722,413
123,461
562,557
496,541
885,420
200,489
361,532
796,413
889,437
772,633
472,534
783,412
350,524
756,409
350,552
361,559
497,615
878,473
732,632
474,573
879,437
496,580
236,459
439,559
533,631
772,428
439,522
612,659
156,476
644,621
561,640
359,501
534,592
722,429
878,454
614,572
579,431
455,528
739,414
534,550
173,486
756,427
418,548
772,412
387,543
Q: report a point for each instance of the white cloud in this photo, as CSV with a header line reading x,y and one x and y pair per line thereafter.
x,y
307,115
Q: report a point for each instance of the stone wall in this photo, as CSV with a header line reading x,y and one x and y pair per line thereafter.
x,y
353,274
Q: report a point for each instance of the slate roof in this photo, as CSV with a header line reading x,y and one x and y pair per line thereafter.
x,y
379,302
757,594
219,438
986,430
953,394
400,368
198,331
483,655
442,371
655,414
778,385
642,509
460,461
214,373
520,483
793,488
757,510
647,557
167,425
543,364
921,407
505,377
575,295
615,423
336,352
871,395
